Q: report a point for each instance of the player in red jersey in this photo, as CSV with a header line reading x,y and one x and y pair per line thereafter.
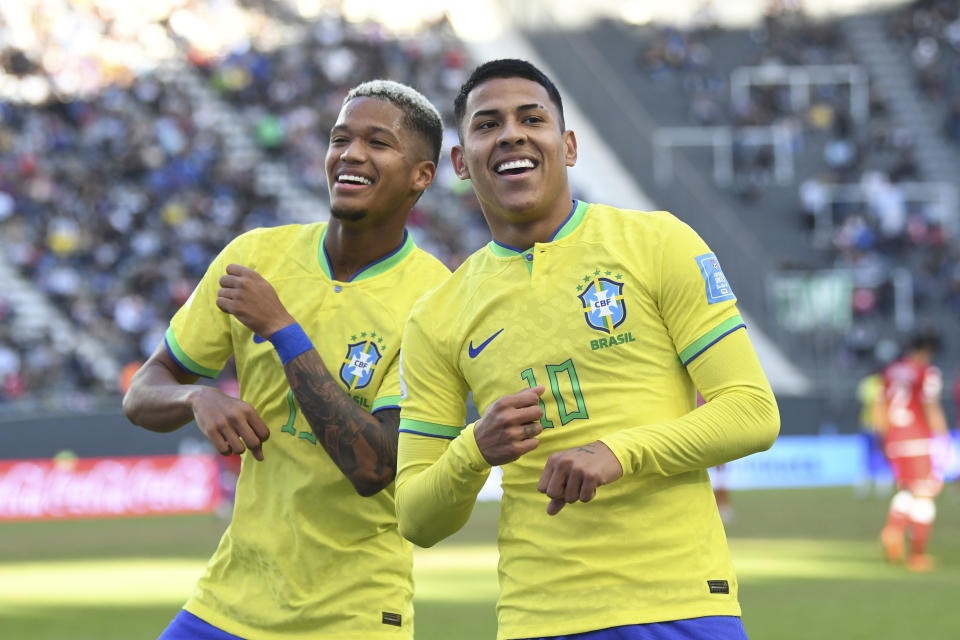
x,y
909,416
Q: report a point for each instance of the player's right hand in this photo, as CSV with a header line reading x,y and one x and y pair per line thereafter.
x,y
247,296
231,425
510,426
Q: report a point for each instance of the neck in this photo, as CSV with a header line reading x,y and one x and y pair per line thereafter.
x,y
350,248
528,230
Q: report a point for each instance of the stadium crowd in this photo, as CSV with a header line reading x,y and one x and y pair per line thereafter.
x,y
115,192
114,199
290,95
121,200
932,30
884,229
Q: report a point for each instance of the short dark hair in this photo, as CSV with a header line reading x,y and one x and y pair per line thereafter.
x,y
505,68
419,114
925,340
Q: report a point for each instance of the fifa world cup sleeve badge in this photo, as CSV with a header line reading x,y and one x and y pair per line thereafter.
x,y
718,289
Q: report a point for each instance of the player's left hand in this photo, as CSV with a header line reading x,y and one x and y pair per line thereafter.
x,y
246,295
576,473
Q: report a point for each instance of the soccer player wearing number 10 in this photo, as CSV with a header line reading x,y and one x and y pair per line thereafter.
x,y
583,332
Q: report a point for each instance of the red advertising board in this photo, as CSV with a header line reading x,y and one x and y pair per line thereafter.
x,y
107,487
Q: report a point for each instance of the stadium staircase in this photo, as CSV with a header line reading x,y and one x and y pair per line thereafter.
x,y
893,79
35,317
296,204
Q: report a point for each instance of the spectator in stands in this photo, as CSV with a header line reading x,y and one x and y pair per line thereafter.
x,y
952,123
887,204
11,382
841,153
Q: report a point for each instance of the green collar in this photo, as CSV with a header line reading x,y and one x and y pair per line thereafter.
x,y
566,228
376,267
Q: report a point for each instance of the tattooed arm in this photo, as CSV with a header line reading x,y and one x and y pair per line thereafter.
x,y
363,446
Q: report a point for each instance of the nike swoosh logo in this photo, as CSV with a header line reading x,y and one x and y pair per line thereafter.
x,y
257,339
475,351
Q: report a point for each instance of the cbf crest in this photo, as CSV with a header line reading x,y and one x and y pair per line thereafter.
x,y
602,299
361,360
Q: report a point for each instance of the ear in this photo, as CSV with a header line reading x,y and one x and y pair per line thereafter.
x,y
459,166
423,175
569,148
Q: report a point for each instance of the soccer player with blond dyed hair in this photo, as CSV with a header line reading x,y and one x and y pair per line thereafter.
x,y
314,315
583,332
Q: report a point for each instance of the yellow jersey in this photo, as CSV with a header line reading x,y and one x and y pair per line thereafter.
x,y
869,390
608,316
305,556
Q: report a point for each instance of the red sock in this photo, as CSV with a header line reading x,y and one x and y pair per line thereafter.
x,y
897,520
919,535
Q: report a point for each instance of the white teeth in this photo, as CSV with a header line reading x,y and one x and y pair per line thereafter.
x,y
352,178
515,164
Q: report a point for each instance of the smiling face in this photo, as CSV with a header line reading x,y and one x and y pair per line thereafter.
x,y
376,167
514,152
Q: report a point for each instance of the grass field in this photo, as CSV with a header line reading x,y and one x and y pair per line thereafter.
x,y
808,562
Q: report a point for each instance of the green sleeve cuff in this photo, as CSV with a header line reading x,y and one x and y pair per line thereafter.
x,y
710,338
431,429
386,402
185,361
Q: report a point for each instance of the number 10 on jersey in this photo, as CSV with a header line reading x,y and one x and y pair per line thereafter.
x,y
570,378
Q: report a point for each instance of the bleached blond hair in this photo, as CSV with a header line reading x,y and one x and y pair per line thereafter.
x,y
419,113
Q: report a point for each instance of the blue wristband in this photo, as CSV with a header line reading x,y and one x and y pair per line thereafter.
x,y
290,342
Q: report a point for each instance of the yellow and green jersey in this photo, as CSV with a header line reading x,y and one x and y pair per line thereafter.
x,y
869,391
608,316
305,556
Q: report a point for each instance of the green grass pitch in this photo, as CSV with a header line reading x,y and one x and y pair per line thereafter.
x,y
808,562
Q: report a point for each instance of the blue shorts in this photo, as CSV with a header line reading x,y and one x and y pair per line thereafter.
x,y
876,460
186,626
706,628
